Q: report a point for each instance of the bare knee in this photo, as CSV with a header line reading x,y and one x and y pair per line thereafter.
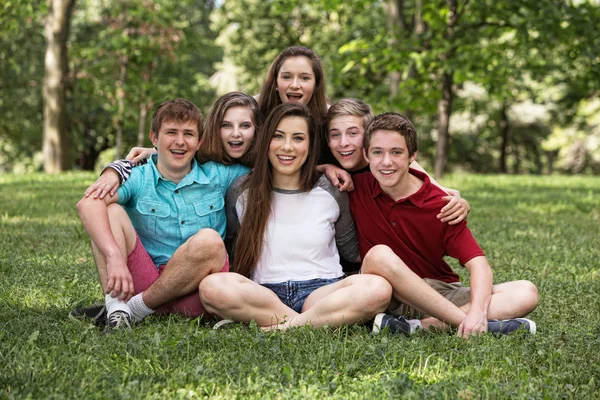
x,y
205,244
381,260
529,295
218,291
377,293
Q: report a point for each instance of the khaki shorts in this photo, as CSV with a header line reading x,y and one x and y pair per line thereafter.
x,y
458,295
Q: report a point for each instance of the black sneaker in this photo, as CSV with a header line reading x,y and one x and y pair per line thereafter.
x,y
118,320
506,326
97,313
395,324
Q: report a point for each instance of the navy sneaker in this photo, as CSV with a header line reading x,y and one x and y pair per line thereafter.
x,y
97,313
506,326
395,324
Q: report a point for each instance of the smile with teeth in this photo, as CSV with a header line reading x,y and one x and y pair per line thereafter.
x,y
236,145
387,172
346,153
286,159
178,152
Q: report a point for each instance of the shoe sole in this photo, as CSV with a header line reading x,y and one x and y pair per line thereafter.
x,y
377,323
532,326
222,323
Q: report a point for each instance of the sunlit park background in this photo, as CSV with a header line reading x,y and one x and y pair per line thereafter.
x,y
505,96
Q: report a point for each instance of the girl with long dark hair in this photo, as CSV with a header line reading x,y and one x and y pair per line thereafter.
x,y
290,223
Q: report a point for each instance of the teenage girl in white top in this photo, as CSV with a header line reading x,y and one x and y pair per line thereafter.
x,y
287,222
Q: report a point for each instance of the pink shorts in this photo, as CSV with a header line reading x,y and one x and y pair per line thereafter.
x,y
144,274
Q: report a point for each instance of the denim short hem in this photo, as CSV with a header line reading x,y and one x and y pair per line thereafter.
x,y
294,293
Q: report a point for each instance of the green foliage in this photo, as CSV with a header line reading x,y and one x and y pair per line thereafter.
x,y
516,51
540,228
540,52
21,71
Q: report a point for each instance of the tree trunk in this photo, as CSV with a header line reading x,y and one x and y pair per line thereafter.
x,y
444,113
120,91
55,133
142,124
397,20
504,129
445,103
394,21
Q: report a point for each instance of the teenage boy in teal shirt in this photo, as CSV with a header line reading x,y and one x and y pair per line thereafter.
x,y
161,234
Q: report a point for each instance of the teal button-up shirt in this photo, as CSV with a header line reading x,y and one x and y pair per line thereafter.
x,y
165,214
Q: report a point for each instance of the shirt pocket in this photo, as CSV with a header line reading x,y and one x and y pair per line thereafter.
x,y
210,213
154,215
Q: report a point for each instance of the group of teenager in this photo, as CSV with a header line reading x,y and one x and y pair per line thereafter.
x,y
288,211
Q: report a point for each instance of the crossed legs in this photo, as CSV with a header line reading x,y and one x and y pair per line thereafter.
x,y
351,300
202,254
509,300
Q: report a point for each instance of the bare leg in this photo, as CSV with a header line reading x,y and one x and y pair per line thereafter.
x,y
410,289
511,300
124,234
233,296
355,299
202,254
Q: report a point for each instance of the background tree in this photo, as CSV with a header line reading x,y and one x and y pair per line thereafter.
x,y
56,123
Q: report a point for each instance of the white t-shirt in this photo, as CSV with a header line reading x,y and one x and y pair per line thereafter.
x,y
303,233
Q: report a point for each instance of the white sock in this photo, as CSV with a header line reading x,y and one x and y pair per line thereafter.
x,y
415,324
139,310
114,304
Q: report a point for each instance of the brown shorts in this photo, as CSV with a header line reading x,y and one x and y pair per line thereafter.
x,y
458,295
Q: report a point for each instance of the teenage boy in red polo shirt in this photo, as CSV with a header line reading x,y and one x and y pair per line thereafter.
x,y
395,208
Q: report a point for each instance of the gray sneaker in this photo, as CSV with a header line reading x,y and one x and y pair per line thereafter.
x,y
395,324
118,320
506,326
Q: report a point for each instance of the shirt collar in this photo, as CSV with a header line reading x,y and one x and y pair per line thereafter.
x,y
196,174
417,198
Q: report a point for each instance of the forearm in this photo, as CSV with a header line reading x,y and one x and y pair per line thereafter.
x,y
94,217
481,283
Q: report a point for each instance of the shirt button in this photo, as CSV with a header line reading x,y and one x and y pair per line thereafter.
x,y
394,223
182,222
177,191
153,210
211,207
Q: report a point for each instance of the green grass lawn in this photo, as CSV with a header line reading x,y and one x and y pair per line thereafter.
x,y
545,229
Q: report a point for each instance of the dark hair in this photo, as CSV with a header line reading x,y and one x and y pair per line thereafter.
x,y
177,110
212,145
269,98
391,121
249,244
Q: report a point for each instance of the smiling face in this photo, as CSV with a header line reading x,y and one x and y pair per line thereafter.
x,y
389,158
237,131
288,151
296,80
176,143
345,139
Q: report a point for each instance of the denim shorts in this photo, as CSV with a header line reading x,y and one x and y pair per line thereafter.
x,y
294,293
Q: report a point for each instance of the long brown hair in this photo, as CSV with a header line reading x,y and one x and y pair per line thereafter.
x,y
212,145
269,98
250,238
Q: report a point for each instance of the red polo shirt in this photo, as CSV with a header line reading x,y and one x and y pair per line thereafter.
x,y
410,228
